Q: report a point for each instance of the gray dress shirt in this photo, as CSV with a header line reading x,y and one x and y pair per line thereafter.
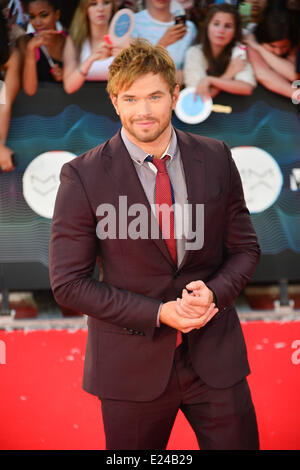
x,y
147,175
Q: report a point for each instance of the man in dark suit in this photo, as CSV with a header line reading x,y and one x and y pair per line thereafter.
x,y
163,333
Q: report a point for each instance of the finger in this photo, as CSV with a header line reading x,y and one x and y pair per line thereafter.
x,y
201,292
184,312
187,330
201,300
190,324
198,314
186,298
195,285
180,27
211,312
205,97
6,169
191,302
50,31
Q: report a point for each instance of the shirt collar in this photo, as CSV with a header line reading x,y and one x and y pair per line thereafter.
x,y
138,155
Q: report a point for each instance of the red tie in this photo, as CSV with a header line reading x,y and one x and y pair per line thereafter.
x,y
163,198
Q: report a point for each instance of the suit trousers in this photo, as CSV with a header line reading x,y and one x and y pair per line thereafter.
x,y
222,419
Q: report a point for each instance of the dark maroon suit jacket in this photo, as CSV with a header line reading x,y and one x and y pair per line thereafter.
x,y
127,356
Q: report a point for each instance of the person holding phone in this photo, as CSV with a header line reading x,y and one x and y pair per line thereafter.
x,y
157,24
43,49
88,52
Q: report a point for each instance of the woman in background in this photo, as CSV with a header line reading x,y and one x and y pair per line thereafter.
x,y
220,62
10,75
257,8
42,50
157,24
272,52
87,53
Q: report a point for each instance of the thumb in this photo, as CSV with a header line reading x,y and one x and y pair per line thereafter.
x,y
195,285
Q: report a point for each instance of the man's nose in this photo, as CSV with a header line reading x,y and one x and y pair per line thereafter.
x,y
144,107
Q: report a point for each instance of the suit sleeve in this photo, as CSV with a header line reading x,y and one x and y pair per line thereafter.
x,y
241,247
73,250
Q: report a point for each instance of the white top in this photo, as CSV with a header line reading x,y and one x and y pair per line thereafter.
x,y
145,26
196,65
99,69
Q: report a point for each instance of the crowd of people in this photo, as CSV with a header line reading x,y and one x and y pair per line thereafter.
x,y
219,46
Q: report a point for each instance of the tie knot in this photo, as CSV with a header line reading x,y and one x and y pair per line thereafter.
x,y
160,163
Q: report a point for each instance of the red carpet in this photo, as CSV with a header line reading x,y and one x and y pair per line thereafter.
x,y
44,407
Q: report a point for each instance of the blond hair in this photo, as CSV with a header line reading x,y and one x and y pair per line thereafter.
x,y
139,58
79,29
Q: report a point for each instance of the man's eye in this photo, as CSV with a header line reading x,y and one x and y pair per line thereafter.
x,y
155,97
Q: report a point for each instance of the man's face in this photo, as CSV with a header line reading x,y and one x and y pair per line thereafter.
x,y
145,109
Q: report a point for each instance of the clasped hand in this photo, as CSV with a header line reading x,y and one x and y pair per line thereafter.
x,y
192,311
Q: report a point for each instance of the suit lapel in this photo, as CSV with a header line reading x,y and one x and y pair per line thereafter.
x,y
194,169
127,183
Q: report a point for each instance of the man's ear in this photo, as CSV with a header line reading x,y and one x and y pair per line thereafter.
x,y
114,100
175,96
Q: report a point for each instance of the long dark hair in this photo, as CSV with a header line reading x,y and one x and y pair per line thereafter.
x,y
275,26
218,65
4,40
55,4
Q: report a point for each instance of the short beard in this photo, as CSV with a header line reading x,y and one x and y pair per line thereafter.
x,y
150,138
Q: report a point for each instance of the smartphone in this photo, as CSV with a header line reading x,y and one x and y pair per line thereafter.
x,y
245,8
180,19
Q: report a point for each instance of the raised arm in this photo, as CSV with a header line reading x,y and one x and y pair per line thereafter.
x,y
74,73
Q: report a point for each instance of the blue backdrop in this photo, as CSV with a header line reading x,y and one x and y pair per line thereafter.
x,y
52,120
